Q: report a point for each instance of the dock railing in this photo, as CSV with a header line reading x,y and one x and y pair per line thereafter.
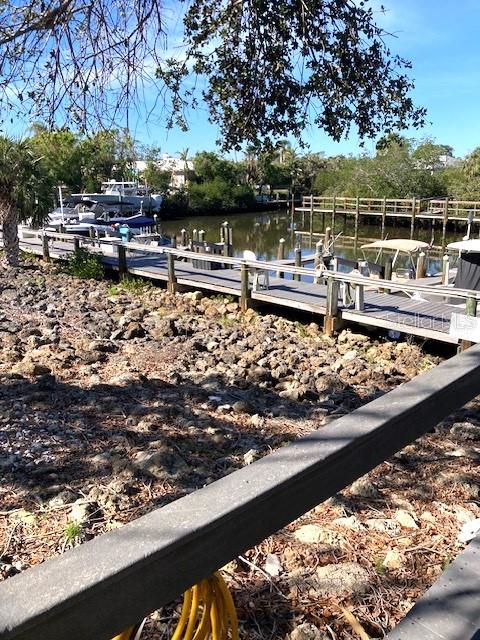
x,y
105,585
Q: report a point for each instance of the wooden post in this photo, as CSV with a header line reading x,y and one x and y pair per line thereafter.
x,y
357,218
158,224
412,222
326,242
195,235
245,293
222,233
318,260
174,241
184,237
230,237
311,218
201,235
359,297
421,266
445,220
334,211
61,228
470,310
172,280
298,262
76,245
46,248
384,217
445,269
91,233
387,274
331,316
281,255
122,262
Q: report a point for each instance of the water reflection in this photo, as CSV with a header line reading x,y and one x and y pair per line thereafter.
x,y
261,232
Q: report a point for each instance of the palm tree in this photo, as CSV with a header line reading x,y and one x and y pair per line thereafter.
x,y
184,159
24,192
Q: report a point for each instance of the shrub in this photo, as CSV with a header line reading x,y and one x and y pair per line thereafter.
x,y
83,264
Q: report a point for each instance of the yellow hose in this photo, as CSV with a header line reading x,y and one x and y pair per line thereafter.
x,y
208,613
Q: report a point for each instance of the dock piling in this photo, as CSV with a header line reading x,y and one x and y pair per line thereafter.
x,y
172,279
421,265
45,248
245,293
281,255
201,235
298,262
331,315
445,269
184,237
122,262
76,245
326,245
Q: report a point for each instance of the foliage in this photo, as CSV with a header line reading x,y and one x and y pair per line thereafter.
x,y
155,178
62,155
320,61
25,185
107,154
83,264
134,286
73,531
267,69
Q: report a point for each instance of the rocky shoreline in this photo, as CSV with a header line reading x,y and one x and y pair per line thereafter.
x,y
116,400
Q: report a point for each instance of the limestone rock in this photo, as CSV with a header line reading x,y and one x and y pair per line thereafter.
x,y
307,631
405,519
160,463
334,580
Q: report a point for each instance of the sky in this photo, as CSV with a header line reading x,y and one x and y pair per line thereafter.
x,y
440,38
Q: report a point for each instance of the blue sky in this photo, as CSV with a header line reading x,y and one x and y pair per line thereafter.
x,y
440,37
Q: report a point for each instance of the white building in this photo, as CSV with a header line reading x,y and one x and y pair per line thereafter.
x,y
176,166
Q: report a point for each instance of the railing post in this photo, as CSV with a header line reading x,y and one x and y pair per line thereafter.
x,y
245,293
172,280
359,297
445,269
281,255
311,217
445,220
334,211
412,221
331,315
45,248
384,217
421,266
298,262
122,262
470,310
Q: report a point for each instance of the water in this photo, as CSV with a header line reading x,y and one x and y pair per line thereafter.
x,y
261,232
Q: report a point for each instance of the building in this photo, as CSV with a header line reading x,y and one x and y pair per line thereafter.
x,y
177,167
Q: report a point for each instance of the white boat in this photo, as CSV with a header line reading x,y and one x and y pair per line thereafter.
x,y
122,195
400,246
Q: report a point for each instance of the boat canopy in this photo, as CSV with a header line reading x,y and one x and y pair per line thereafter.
x,y
469,246
398,244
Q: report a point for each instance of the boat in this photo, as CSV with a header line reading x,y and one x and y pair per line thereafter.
x,y
468,266
402,248
120,196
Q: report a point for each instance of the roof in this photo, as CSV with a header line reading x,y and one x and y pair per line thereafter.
x,y
473,246
398,244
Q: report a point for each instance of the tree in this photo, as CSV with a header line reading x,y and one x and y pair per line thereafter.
x,y
25,192
62,155
267,69
156,179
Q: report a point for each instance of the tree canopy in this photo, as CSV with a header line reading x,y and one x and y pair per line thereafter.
x,y
267,69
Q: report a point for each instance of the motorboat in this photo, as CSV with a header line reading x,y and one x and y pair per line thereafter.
x,y
405,251
121,196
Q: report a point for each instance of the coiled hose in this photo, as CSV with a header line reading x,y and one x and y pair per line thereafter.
x,y
208,613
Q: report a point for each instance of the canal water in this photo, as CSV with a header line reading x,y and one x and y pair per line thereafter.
x,y
261,232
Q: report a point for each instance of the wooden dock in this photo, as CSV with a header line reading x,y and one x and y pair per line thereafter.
x,y
444,211
406,315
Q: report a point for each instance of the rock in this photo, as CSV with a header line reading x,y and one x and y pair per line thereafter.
x,y
272,565
307,631
162,463
466,430
258,374
242,406
125,379
310,534
164,327
80,511
405,520
384,525
251,456
22,516
363,488
393,559
352,523
29,368
64,497
133,330
333,580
